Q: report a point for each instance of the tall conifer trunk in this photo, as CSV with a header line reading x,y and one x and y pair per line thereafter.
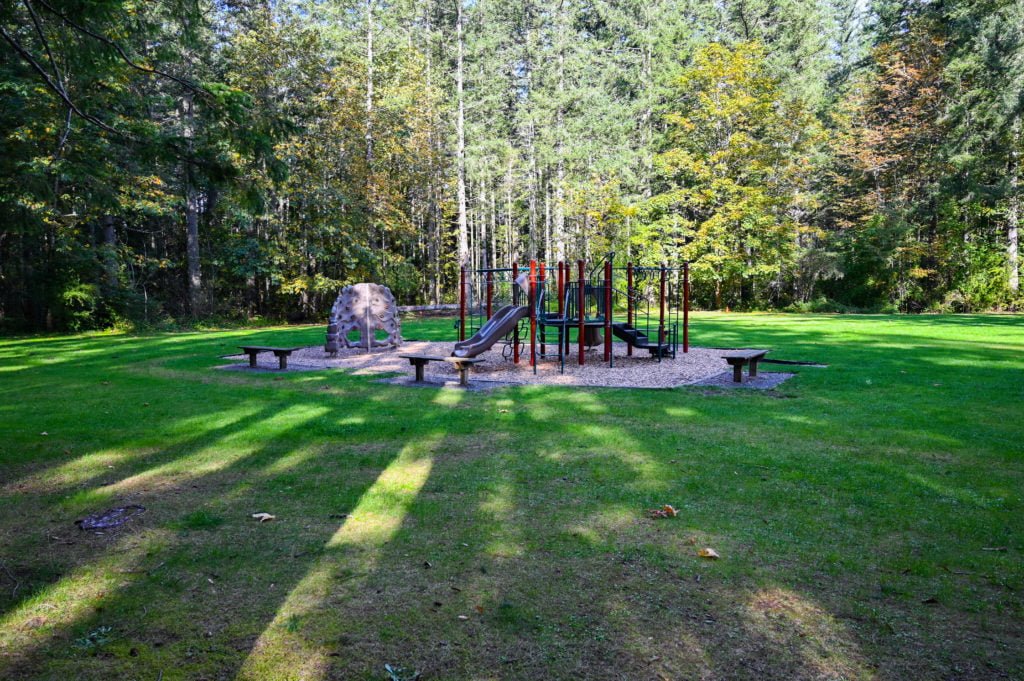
x,y
511,239
107,223
559,218
193,270
1013,211
371,198
494,232
531,139
460,134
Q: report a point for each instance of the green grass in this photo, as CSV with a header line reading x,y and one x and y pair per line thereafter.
x,y
855,509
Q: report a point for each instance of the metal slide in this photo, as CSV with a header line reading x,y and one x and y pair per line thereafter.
x,y
496,328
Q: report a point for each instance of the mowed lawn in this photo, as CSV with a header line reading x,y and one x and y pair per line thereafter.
x,y
868,515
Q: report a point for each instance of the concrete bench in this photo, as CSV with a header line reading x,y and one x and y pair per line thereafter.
x,y
280,353
461,363
738,358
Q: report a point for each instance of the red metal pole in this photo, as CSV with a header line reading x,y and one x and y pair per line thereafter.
x,y
543,277
607,310
686,307
561,287
563,275
462,303
490,292
533,313
661,315
581,310
629,304
515,331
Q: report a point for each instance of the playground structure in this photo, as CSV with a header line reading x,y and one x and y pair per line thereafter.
x,y
544,312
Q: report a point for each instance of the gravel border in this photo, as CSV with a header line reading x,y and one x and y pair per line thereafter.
x,y
763,381
639,371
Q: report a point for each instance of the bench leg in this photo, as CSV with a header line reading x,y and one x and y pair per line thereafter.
x,y
252,359
282,362
419,372
737,373
753,368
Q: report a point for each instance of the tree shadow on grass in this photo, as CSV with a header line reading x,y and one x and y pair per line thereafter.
x,y
531,506
546,553
155,390
54,505
542,565
197,558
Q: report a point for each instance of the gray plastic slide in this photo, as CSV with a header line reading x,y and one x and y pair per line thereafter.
x,y
496,328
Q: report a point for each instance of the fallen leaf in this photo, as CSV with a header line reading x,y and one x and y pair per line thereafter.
x,y
44,433
263,517
666,511
480,609
463,617
709,553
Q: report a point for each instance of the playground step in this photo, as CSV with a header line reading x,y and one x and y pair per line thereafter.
x,y
627,332
639,339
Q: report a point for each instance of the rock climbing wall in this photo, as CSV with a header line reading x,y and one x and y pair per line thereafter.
x,y
365,308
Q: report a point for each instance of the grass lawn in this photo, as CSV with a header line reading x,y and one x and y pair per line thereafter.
x,y
868,515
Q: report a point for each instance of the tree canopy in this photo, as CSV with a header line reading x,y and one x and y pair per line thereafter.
x,y
169,159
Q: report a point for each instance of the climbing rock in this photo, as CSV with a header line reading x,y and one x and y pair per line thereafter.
x,y
364,308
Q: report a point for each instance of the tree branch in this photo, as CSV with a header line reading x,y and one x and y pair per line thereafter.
x,y
43,40
124,55
37,67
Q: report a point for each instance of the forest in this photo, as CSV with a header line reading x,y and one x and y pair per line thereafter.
x,y
168,161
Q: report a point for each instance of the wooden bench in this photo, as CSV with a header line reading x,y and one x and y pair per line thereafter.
x,y
461,363
737,359
280,353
